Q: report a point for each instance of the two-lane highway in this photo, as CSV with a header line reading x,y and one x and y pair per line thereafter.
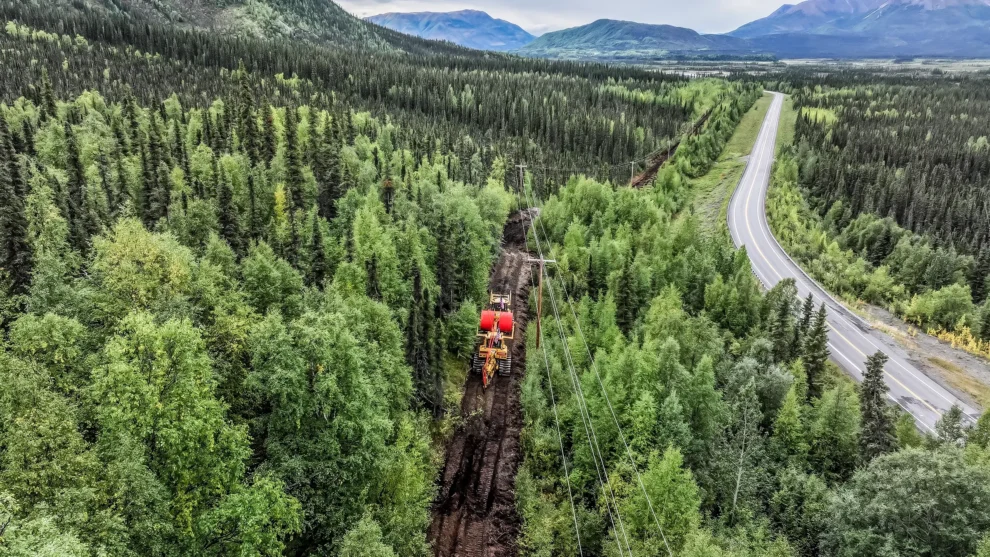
x,y
851,340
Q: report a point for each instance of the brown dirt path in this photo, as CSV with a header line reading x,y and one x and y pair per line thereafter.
x,y
475,510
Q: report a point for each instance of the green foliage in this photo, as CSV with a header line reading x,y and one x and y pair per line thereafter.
x,y
365,540
182,379
878,436
800,509
889,507
788,443
831,192
834,434
675,501
907,432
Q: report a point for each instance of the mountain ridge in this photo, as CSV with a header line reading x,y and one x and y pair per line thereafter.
x,y
468,28
941,26
811,29
609,36
320,22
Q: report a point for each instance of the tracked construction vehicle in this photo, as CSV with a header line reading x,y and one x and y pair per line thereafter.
x,y
495,331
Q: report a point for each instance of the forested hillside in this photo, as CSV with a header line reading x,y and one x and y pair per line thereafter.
x,y
312,21
227,326
240,281
681,411
239,276
898,172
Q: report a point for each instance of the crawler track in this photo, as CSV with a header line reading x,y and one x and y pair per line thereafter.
x,y
475,513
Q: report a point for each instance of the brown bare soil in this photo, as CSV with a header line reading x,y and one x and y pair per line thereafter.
x,y
475,511
661,158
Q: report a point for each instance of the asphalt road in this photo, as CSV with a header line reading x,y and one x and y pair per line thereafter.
x,y
851,339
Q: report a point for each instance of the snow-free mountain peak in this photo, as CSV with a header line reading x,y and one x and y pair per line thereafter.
x,y
470,28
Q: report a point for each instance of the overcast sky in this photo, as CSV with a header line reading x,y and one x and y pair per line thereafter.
x,y
540,16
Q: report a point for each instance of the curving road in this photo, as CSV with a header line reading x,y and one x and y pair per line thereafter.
x,y
851,339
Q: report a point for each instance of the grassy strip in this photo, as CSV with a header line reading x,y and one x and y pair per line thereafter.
x,y
788,121
960,379
711,192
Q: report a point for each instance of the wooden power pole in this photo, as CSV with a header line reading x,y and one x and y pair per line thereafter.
x,y
522,177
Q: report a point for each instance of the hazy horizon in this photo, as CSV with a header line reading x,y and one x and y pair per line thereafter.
x,y
704,16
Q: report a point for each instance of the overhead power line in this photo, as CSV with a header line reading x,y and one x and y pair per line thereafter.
x,y
594,367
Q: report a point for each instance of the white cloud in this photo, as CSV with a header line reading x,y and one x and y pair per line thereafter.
x,y
706,16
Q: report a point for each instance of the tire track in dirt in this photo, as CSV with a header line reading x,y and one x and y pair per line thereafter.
x,y
474,514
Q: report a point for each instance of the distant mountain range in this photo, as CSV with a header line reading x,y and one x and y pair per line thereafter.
x,y
811,29
607,38
858,28
470,28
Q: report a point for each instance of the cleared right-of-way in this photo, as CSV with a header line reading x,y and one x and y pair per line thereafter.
x,y
851,339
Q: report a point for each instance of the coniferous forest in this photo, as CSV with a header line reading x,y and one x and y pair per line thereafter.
x,y
241,277
895,176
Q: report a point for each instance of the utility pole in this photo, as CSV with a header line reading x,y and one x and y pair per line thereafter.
x,y
539,298
522,177
632,172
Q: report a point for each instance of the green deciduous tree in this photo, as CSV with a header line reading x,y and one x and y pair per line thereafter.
x,y
800,509
890,508
675,501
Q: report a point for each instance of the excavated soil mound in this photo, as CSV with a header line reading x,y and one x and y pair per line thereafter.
x,y
475,512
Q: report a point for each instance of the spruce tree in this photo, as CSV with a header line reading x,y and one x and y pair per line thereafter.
x,y
328,177
254,214
15,251
627,303
878,435
807,315
978,276
48,106
13,164
270,142
27,131
77,216
291,251
147,189
388,194
783,330
293,162
371,268
318,261
418,337
227,215
109,190
816,353
247,127
162,193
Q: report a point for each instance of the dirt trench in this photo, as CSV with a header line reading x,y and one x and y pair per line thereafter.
x,y
475,510
654,165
